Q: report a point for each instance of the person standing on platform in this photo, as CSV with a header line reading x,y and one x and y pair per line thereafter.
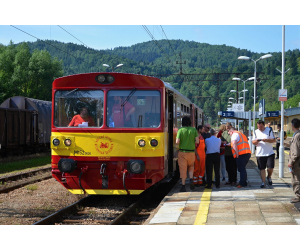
x,y
263,139
222,152
278,138
212,161
205,132
230,161
186,137
294,159
242,153
199,168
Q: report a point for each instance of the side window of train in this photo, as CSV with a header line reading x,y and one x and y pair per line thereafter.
x,y
128,109
78,108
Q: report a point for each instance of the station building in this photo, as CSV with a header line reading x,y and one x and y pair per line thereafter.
x,y
289,115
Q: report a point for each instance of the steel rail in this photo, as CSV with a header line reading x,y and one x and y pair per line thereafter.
x,y
49,220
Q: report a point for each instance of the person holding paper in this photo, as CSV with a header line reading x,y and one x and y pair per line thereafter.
x,y
83,119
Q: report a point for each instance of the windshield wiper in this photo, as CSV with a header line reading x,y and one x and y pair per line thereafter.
x,y
128,97
71,91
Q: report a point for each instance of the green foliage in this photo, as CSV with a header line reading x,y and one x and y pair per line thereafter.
x,y
40,69
13,166
23,73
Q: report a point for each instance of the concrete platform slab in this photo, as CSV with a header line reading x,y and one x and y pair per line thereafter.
x,y
229,205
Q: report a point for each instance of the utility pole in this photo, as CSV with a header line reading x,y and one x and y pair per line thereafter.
x,y
180,73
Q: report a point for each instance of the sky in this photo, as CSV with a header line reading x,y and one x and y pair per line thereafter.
x,y
268,38
102,25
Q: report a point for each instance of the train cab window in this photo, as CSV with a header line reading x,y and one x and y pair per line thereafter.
x,y
78,108
133,108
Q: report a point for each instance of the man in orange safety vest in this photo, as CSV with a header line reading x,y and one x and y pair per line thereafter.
x,y
242,153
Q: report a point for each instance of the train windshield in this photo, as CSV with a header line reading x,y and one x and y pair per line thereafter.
x,y
133,108
78,108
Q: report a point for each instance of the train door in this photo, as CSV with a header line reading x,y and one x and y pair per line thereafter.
x,y
196,118
170,131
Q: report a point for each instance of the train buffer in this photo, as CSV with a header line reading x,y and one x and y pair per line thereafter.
x,y
229,205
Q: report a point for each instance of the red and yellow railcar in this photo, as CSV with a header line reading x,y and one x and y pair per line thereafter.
x,y
114,133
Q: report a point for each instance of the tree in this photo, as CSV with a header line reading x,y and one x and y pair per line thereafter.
x,y
42,71
26,74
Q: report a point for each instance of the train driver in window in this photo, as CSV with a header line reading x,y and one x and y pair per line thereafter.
x,y
83,119
121,114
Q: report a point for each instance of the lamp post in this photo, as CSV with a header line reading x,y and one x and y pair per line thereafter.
x,y
247,59
231,98
239,93
281,147
113,68
244,81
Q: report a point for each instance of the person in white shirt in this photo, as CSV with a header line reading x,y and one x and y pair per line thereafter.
x,y
263,139
212,160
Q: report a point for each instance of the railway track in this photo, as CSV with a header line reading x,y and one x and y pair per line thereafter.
x,y
111,210
12,182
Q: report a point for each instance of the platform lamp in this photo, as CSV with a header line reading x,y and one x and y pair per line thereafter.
x,y
113,68
255,61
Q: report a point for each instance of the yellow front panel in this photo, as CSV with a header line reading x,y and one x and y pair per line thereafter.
x,y
108,144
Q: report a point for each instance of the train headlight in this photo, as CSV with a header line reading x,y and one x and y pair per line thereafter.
x,y
105,79
136,166
67,165
110,78
101,78
142,143
68,142
56,142
154,143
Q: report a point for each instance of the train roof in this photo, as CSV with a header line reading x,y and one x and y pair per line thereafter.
x,y
170,87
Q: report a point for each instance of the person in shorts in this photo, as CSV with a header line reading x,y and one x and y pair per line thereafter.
x,y
263,139
186,137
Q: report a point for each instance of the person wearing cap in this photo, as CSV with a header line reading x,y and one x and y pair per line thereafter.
x,y
242,153
294,159
205,131
212,161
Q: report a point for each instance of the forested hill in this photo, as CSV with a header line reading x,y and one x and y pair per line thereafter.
x,y
215,66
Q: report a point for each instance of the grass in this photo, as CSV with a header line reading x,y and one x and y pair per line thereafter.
x,y
32,187
9,167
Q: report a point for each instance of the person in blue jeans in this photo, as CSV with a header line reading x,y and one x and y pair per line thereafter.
x,y
242,153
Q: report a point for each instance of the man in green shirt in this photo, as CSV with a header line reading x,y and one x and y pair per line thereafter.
x,y
186,137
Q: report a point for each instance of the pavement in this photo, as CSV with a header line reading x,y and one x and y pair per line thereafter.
x,y
229,205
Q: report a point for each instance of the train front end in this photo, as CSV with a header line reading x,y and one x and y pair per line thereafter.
x,y
108,133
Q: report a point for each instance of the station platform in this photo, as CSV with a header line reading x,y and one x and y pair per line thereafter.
x,y
230,205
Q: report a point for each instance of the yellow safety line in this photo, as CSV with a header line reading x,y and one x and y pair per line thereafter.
x,y
201,217
286,152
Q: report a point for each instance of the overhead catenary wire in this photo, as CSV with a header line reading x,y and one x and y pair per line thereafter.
x,y
79,40
157,44
48,43
169,41
72,35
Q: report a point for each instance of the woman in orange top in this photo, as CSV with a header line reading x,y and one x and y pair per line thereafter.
x,y
199,168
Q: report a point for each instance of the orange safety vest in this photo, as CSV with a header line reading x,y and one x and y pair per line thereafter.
x,y
242,145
